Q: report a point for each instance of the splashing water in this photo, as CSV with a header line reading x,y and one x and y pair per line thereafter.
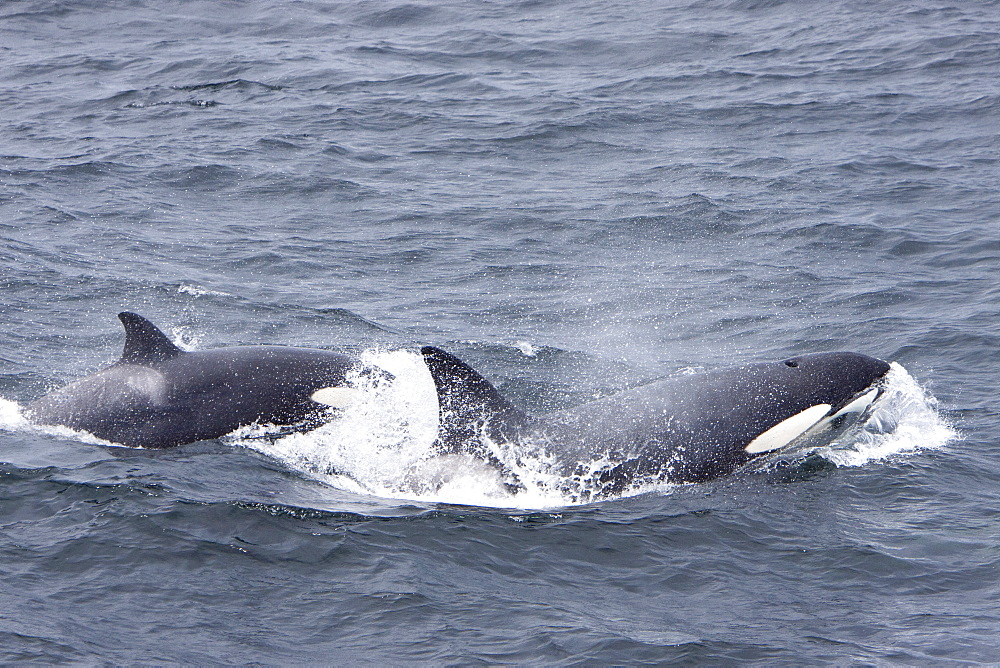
x,y
384,445
198,291
11,416
13,419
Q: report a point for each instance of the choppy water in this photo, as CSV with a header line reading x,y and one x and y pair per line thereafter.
x,y
574,197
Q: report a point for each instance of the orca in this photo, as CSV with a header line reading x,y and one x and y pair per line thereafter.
x,y
685,429
159,396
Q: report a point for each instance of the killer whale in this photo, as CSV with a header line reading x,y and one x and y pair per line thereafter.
x,y
685,429
159,396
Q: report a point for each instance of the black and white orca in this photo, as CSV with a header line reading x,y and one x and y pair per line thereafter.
x,y
685,429
159,396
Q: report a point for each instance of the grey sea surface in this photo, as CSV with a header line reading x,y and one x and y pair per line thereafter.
x,y
575,197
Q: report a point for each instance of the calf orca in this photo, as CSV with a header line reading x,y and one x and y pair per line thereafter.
x,y
689,428
159,396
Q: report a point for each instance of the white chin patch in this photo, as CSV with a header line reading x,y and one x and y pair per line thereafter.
x,y
788,430
859,405
336,397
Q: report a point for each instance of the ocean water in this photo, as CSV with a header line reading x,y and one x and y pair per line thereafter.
x,y
576,198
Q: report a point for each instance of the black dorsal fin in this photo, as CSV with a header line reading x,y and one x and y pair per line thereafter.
x,y
469,405
144,342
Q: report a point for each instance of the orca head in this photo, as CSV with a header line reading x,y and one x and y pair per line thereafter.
x,y
836,378
834,391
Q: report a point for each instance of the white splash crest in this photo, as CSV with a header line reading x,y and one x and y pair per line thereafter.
x,y
185,338
198,291
376,441
383,444
527,349
11,417
906,419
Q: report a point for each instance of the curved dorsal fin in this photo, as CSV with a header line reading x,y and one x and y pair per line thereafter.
x,y
469,404
144,343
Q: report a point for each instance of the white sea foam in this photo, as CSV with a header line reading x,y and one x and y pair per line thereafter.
x,y
185,338
527,349
11,416
383,444
197,291
378,442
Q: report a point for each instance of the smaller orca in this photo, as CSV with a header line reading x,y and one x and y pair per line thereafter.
x,y
684,429
159,396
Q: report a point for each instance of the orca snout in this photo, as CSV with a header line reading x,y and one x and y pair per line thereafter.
x,y
864,365
879,368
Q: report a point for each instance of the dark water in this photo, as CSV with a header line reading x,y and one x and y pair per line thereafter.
x,y
575,197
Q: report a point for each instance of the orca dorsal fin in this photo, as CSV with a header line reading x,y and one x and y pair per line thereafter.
x,y
144,342
469,406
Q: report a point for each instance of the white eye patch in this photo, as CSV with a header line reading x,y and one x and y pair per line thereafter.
x,y
788,430
336,397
